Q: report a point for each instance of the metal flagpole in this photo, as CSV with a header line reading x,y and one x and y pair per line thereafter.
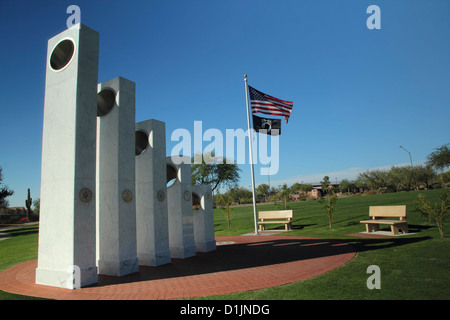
x,y
251,156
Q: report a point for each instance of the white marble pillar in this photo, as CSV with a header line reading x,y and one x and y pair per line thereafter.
x,y
179,198
203,218
67,240
116,201
151,194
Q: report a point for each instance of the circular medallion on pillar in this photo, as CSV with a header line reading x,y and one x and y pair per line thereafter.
x,y
85,195
127,195
187,195
160,195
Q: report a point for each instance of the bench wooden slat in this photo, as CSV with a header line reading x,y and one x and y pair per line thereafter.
x,y
388,211
272,222
380,221
270,215
275,214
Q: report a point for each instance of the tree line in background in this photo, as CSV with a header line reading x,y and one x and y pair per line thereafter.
x,y
399,179
239,195
431,175
374,181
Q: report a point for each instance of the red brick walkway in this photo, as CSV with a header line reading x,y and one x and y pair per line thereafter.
x,y
240,263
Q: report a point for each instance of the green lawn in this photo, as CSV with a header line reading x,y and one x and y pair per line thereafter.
x,y
21,247
412,267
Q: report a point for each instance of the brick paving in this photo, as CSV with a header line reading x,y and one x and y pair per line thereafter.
x,y
240,263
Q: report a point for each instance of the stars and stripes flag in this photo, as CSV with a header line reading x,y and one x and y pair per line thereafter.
x,y
263,103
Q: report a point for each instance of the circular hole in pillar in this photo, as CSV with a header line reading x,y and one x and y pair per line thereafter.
x,y
196,201
171,175
141,142
105,102
62,54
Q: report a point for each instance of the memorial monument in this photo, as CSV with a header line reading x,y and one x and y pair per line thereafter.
x,y
151,194
203,218
181,220
105,204
116,201
67,235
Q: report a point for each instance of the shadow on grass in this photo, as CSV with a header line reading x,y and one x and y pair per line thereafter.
x,y
298,226
417,227
257,252
21,231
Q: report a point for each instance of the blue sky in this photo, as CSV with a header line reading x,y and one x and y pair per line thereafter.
x,y
358,93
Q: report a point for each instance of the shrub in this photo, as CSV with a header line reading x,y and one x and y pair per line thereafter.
x,y
435,212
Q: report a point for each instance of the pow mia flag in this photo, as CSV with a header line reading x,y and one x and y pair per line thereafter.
x,y
267,126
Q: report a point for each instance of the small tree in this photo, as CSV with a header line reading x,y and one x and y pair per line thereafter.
x,y
275,196
4,193
263,190
284,193
345,185
332,198
306,187
36,206
214,170
224,201
325,183
435,212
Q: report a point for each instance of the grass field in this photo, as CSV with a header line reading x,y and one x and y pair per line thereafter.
x,y
416,266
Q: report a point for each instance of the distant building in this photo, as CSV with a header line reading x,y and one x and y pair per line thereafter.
x,y
315,193
318,185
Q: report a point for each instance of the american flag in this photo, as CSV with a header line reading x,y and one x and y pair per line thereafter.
x,y
261,102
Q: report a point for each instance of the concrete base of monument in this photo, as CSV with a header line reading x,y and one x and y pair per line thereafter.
x,y
118,268
153,259
69,279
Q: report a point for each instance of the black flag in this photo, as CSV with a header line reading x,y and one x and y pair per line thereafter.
x,y
268,126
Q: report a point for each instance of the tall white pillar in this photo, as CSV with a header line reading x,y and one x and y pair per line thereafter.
x,y
203,218
116,201
67,249
151,194
179,198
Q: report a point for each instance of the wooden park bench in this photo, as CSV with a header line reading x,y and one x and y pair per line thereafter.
x,y
275,217
377,212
